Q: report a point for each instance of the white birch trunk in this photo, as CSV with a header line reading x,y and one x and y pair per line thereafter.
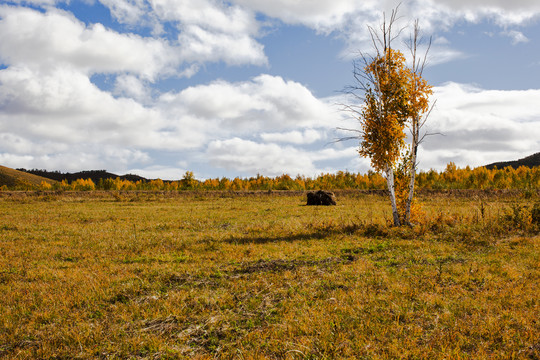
x,y
411,187
390,183
412,169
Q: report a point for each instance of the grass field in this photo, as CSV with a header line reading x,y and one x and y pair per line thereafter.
x,y
166,276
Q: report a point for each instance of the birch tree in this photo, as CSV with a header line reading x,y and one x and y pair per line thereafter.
x,y
394,97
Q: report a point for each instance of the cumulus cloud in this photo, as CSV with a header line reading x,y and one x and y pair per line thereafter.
x,y
132,87
64,121
207,34
208,31
251,157
39,2
323,15
308,136
480,126
505,12
127,11
64,105
332,14
516,36
52,116
69,42
266,103
158,172
270,159
200,45
85,156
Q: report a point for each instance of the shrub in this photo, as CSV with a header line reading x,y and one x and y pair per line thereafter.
x,y
535,214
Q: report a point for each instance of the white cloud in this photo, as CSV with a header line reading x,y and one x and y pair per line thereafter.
x,y
200,45
60,118
251,157
308,136
77,158
208,14
323,15
62,112
63,105
330,15
213,31
440,40
45,3
132,87
266,103
157,172
516,36
443,54
126,11
505,12
270,159
14,144
57,38
481,126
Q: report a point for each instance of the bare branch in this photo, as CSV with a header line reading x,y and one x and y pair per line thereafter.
x,y
426,116
351,130
431,134
338,140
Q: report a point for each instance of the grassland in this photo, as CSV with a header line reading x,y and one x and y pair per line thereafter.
x,y
13,178
157,276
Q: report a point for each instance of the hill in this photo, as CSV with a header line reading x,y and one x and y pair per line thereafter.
x,y
11,177
529,161
95,175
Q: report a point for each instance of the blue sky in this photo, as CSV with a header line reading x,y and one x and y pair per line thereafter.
x,y
243,87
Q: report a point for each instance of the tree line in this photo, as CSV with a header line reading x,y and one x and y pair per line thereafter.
x,y
452,177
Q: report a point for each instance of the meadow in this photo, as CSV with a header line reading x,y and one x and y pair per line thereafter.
x,y
197,275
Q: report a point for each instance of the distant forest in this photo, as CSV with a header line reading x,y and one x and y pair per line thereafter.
x,y
94,175
529,161
451,178
98,176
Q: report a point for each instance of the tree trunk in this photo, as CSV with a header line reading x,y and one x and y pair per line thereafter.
x,y
411,189
412,174
390,183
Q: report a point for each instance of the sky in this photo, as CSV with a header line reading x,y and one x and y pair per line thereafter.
x,y
245,87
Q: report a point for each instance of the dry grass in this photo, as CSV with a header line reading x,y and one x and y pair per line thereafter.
x,y
148,276
14,178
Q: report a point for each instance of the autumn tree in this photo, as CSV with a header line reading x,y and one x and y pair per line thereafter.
x,y
394,98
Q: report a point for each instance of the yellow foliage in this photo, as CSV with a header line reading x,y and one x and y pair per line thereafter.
x,y
386,110
45,186
83,185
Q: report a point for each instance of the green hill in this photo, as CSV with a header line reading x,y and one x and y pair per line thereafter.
x,y
13,178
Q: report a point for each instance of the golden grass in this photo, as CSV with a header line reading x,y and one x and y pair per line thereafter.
x,y
147,276
13,178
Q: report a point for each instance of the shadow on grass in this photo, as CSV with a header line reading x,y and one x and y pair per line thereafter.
x,y
263,239
278,265
319,233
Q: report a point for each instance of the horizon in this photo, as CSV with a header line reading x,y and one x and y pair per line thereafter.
x,y
293,176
